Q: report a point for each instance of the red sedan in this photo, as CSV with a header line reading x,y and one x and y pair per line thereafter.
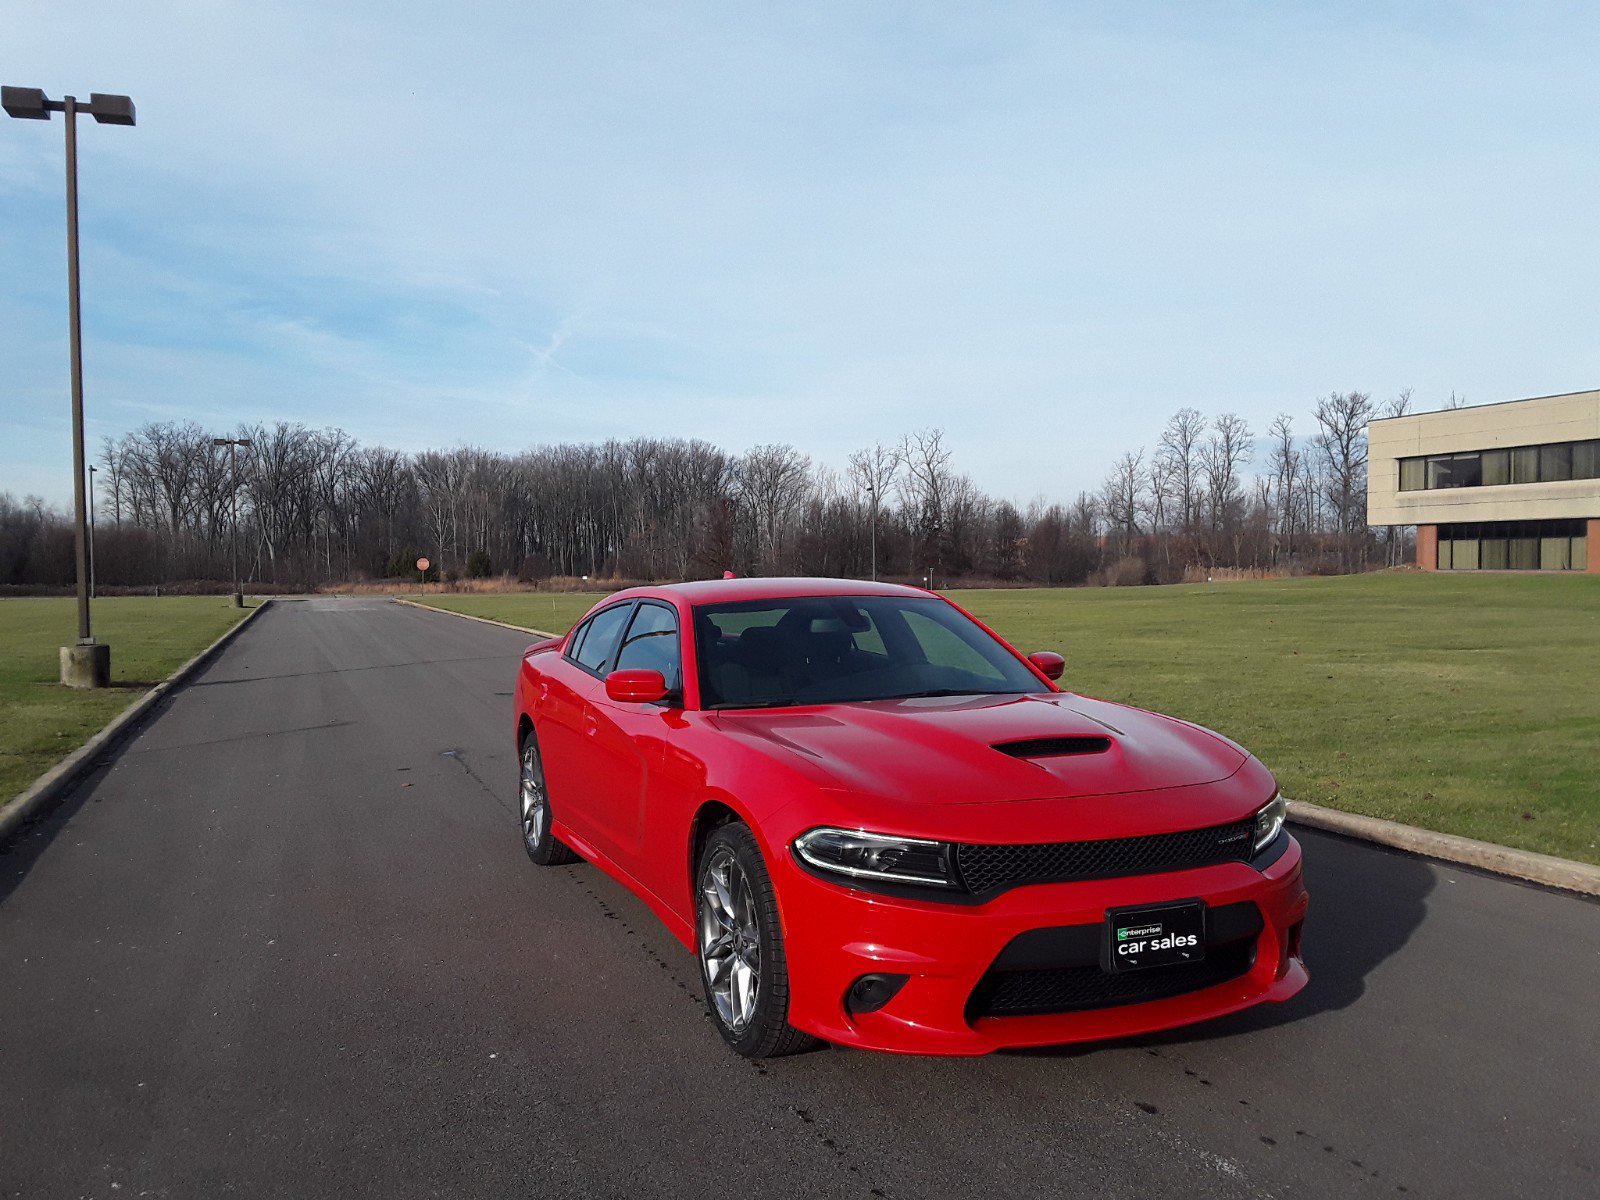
x,y
876,823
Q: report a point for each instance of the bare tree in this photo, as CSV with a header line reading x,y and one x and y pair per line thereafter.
x,y
772,481
1180,450
1224,457
278,470
1341,444
1285,466
114,462
1122,499
439,477
924,482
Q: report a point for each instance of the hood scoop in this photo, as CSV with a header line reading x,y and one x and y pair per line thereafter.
x,y
1054,747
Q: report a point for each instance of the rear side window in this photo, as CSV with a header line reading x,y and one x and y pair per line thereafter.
x,y
598,638
652,644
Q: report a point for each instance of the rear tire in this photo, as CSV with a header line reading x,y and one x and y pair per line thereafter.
x,y
533,808
740,946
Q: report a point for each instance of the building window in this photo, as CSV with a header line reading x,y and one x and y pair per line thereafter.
x,y
1496,467
1555,545
1552,463
1586,460
1555,462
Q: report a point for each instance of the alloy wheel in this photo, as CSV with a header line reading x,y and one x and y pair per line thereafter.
x,y
730,939
535,805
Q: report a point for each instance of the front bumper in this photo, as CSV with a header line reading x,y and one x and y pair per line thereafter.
x,y
835,934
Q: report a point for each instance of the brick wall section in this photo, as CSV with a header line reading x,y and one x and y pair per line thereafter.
x,y
1428,546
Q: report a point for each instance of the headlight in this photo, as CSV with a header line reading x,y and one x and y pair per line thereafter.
x,y
878,856
1269,821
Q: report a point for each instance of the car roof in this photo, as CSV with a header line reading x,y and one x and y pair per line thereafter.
x,y
731,591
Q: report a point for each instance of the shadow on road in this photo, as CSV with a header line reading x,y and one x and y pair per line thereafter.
x,y
1366,902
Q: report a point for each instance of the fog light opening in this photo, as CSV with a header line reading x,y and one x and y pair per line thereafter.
x,y
872,992
1294,938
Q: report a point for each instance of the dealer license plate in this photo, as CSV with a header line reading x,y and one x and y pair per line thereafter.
x,y
1156,935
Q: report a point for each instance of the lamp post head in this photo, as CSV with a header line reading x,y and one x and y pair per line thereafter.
x,y
111,110
27,104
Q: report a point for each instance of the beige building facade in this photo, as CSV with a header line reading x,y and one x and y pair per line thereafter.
x,y
1497,487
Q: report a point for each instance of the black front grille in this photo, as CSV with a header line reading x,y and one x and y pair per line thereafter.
x,y
995,868
1088,986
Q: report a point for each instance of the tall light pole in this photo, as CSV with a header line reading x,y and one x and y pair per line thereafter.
x,y
91,530
233,445
88,663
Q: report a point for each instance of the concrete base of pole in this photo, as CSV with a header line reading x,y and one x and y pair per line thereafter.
x,y
238,600
86,665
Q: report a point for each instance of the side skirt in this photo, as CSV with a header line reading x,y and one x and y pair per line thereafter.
x,y
679,928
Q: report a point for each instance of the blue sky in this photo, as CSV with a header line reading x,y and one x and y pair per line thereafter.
x,y
1043,227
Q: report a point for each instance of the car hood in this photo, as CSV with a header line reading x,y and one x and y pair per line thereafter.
x,y
943,751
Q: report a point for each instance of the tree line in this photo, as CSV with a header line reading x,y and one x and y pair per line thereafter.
x,y
314,506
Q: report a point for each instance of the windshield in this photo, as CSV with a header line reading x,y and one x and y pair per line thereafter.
x,y
830,649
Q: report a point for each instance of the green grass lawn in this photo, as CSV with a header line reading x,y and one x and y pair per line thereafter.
x,y
552,611
42,722
1467,704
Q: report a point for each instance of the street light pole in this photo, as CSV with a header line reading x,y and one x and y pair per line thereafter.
x,y
70,107
87,663
233,445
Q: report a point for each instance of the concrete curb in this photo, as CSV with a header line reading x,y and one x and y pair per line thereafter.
x,y
1544,869
469,617
55,782
1523,865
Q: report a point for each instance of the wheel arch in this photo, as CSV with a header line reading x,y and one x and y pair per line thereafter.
x,y
710,814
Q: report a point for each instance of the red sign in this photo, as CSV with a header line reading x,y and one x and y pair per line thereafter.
x,y
422,564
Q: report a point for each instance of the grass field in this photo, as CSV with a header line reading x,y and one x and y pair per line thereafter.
x,y
1467,704
40,721
552,611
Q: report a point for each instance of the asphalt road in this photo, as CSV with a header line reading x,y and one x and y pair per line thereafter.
x,y
286,943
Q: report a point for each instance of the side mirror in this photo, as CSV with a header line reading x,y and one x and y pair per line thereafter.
x,y
1049,663
636,687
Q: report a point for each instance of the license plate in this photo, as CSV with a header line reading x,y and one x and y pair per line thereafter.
x,y
1156,935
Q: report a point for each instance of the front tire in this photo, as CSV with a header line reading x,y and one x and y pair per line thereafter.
x,y
740,945
533,805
